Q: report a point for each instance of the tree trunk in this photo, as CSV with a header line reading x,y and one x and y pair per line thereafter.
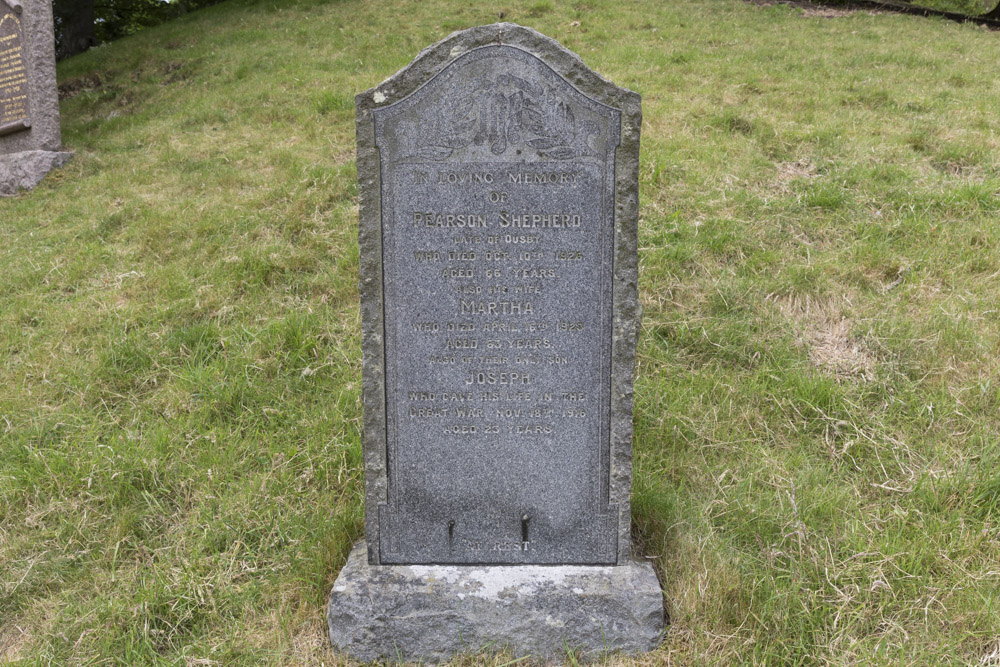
x,y
74,23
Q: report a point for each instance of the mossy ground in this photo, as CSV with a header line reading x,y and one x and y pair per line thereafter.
x,y
817,429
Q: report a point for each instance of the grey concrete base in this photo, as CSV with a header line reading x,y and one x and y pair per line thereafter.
x,y
432,612
25,170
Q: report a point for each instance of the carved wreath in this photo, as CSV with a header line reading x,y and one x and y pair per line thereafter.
x,y
504,112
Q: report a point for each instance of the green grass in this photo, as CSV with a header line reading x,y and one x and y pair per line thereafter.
x,y
818,394
967,7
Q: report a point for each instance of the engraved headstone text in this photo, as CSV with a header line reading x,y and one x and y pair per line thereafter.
x,y
498,234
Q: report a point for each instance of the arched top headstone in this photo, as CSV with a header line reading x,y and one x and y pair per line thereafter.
x,y
498,215
498,188
523,44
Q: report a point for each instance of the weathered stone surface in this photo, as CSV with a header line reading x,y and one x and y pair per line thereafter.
x,y
23,171
29,101
431,612
498,215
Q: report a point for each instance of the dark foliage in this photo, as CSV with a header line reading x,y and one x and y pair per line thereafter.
x,y
80,24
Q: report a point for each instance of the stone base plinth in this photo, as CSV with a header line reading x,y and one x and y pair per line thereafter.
x,y
432,612
25,170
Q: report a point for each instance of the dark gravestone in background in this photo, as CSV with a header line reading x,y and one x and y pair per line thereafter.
x,y
30,140
13,72
497,239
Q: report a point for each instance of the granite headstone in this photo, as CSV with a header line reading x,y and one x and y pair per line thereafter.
x,y
498,221
30,142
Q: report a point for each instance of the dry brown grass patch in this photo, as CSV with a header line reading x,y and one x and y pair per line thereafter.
x,y
787,173
802,168
13,640
827,334
992,654
311,645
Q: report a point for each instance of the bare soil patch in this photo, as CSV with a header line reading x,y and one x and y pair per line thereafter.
x,y
72,87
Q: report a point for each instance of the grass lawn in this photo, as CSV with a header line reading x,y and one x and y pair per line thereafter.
x,y
818,392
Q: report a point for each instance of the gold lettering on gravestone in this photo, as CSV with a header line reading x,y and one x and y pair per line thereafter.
x,y
13,76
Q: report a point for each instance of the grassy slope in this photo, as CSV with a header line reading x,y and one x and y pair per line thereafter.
x,y
967,7
818,390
